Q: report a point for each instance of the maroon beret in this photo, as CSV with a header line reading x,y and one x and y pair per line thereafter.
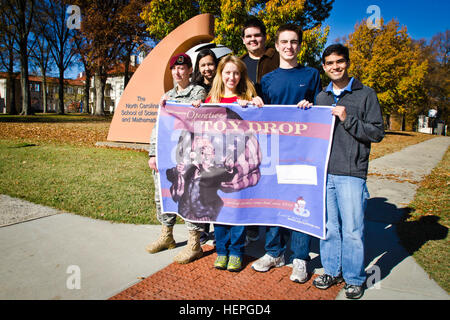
x,y
180,59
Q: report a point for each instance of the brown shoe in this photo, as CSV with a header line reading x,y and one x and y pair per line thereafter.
x,y
165,241
192,251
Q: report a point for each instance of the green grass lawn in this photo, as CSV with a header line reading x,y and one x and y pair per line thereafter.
x,y
100,183
425,232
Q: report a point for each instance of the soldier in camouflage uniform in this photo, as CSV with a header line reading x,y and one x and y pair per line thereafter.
x,y
183,92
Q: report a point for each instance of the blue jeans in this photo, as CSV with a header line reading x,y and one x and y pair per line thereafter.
x,y
230,240
342,251
275,244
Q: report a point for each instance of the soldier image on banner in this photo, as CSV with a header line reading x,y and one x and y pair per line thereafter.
x,y
209,162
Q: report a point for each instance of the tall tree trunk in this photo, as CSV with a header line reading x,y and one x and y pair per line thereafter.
x,y
126,76
19,10
87,87
44,93
61,92
94,97
100,90
10,100
11,94
25,84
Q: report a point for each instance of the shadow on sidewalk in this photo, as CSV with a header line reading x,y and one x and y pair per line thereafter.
x,y
414,234
396,133
389,238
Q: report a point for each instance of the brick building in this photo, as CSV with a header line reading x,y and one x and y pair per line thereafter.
x,y
73,93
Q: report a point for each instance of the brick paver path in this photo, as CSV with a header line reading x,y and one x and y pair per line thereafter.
x,y
199,280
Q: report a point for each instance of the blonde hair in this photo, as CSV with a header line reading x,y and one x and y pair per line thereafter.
x,y
244,90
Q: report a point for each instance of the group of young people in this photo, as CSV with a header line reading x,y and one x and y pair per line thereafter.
x,y
274,76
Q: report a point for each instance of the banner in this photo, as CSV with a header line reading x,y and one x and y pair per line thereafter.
x,y
226,164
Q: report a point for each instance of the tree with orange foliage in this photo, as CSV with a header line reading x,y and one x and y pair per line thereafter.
x,y
386,60
161,17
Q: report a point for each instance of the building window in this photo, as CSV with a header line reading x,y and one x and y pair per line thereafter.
x,y
35,87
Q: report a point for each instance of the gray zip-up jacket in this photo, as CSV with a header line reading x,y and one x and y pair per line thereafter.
x,y
352,138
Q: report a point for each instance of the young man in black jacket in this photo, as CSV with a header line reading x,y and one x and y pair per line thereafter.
x,y
358,123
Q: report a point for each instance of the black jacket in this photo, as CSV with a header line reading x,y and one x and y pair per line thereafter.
x,y
352,138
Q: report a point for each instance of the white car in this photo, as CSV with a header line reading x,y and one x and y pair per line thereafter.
x,y
218,49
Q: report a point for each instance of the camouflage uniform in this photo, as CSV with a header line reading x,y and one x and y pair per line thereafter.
x,y
189,94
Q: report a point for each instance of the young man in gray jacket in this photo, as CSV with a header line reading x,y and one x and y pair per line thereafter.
x,y
359,122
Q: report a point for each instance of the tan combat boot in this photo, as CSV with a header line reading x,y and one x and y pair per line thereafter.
x,y
192,251
165,241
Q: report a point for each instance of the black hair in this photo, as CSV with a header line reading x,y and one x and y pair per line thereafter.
x,y
338,49
255,23
197,78
290,27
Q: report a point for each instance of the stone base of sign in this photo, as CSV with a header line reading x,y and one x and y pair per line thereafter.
x,y
123,145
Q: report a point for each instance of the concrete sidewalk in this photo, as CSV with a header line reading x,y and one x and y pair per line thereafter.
x,y
392,183
45,251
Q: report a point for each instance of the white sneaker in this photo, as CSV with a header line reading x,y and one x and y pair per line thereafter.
x,y
299,273
266,262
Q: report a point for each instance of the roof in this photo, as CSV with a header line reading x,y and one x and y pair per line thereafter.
x,y
118,69
34,78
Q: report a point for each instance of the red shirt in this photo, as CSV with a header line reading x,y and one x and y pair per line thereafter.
x,y
224,99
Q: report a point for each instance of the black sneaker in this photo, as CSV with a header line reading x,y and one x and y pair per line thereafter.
x,y
252,234
204,237
325,281
353,292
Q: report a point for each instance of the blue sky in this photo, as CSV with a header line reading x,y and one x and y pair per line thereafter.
x,y
423,18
